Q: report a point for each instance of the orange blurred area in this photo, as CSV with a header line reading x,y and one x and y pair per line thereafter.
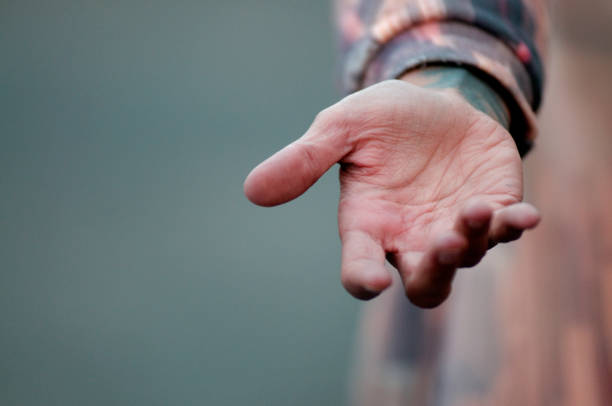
x,y
532,324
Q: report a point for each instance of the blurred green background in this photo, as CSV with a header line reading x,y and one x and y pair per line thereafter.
x,y
132,269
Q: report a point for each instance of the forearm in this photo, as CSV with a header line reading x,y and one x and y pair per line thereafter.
x,y
471,87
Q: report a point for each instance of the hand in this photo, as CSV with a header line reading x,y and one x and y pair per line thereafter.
x,y
427,181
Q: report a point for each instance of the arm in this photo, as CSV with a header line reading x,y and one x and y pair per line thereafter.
x,y
465,83
430,177
504,40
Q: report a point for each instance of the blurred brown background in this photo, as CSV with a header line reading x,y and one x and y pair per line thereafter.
x,y
531,325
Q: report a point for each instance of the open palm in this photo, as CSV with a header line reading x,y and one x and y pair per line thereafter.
x,y
427,182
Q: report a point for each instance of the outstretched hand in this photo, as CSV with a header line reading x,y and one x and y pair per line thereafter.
x,y
428,182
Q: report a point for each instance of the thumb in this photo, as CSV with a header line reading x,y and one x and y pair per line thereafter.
x,y
292,170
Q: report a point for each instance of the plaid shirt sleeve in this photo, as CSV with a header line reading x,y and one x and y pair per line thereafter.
x,y
503,40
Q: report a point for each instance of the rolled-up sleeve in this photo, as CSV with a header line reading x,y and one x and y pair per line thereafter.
x,y
502,40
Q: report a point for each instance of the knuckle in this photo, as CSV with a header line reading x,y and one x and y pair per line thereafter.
x,y
335,117
310,158
326,116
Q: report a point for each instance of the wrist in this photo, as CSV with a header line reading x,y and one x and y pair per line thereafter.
x,y
467,84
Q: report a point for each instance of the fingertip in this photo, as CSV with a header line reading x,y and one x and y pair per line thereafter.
x,y
522,215
477,215
279,179
430,284
449,248
363,294
510,222
536,221
532,216
255,190
365,281
248,189
377,282
431,299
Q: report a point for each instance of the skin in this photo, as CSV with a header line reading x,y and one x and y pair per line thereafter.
x,y
429,178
